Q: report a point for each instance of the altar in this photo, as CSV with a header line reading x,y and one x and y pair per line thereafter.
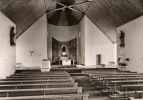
x,y
64,52
65,61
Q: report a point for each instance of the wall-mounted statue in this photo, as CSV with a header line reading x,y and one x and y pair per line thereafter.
x,y
122,39
12,36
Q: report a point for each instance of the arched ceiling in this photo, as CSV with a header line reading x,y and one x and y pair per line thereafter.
x,y
101,12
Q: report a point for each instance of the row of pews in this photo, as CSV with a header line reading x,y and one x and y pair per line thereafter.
x,y
61,84
36,85
118,85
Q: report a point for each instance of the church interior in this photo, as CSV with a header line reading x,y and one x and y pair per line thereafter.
x,y
71,50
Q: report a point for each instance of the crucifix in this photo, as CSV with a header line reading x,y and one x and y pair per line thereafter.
x,y
31,52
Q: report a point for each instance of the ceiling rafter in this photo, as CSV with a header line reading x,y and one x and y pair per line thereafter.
x,y
116,12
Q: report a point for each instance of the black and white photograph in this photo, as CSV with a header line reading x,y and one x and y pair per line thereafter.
x,y
71,49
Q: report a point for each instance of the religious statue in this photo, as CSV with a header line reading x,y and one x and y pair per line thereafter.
x,y
122,39
12,36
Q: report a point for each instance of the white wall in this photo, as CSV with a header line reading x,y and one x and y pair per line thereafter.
x,y
7,52
92,41
133,44
97,43
107,26
34,39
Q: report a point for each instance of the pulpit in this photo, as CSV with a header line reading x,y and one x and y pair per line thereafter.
x,y
46,65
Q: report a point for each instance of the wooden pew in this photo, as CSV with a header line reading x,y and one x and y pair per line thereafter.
x,y
118,82
69,70
35,81
40,91
123,78
127,87
39,77
121,82
131,90
35,75
119,85
107,80
39,72
118,97
49,97
118,78
36,78
112,73
134,98
114,76
110,80
130,87
111,76
57,74
21,76
131,93
38,85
